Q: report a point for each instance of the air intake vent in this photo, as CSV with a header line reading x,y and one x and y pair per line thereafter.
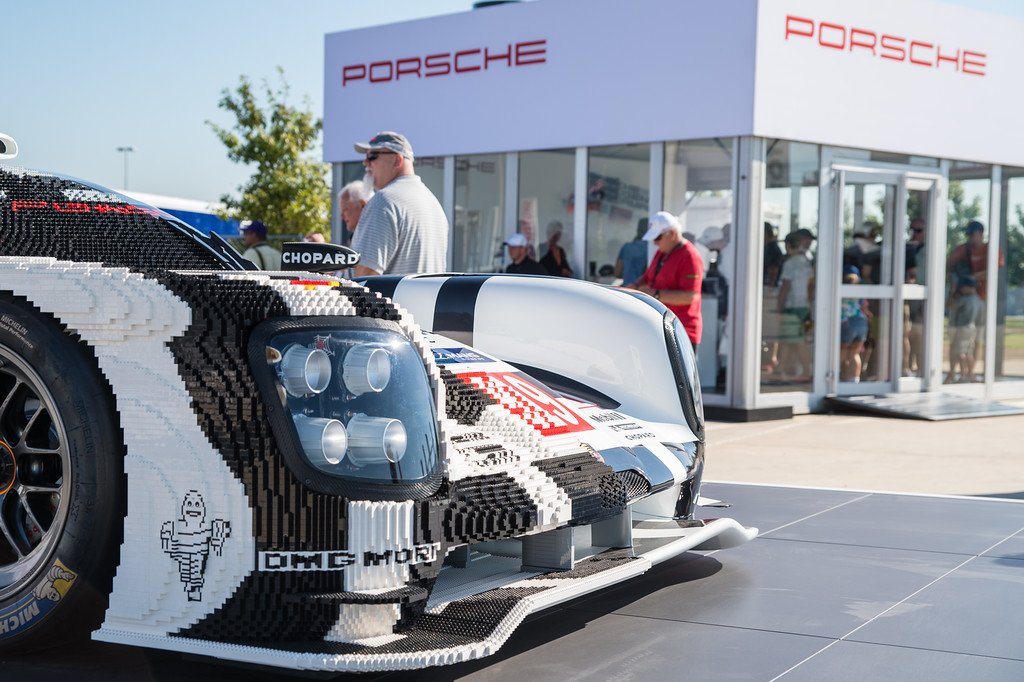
x,y
636,484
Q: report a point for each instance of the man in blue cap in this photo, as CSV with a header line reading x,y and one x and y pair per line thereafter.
x,y
254,234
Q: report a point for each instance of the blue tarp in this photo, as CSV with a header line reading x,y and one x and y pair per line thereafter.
x,y
206,222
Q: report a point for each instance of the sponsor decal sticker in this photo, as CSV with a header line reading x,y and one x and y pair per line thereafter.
x,y
448,356
189,539
31,608
534,405
339,560
323,343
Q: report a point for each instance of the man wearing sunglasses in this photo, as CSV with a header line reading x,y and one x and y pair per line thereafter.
x,y
675,274
402,229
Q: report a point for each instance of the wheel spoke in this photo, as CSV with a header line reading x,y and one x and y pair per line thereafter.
x,y
23,500
29,489
31,424
28,450
6,404
10,538
32,429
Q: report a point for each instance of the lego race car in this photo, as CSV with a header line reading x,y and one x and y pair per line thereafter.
x,y
291,469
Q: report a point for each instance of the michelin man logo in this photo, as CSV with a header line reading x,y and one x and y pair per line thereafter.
x,y
188,541
48,589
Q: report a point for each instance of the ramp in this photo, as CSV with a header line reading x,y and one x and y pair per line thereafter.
x,y
928,406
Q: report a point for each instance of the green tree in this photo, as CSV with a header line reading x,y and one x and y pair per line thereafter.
x,y
959,213
288,189
1015,249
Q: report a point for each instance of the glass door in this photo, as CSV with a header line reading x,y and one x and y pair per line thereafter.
x,y
880,281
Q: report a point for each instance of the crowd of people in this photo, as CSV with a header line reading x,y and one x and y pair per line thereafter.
x,y
789,295
399,227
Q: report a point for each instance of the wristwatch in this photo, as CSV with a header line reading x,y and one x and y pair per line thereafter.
x,y
657,294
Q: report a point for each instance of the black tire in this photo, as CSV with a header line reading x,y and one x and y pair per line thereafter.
x,y
61,520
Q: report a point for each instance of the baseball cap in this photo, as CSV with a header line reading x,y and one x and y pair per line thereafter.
x,y
974,226
389,141
256,226
711,235
804,233
662,221
966,281
851,270
518,239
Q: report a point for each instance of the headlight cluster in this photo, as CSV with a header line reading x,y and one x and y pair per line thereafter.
x,y
359,401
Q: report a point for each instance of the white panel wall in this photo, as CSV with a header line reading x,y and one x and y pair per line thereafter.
x,y
591,72
869,75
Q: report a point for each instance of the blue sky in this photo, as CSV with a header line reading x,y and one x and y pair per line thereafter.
x,y
81,78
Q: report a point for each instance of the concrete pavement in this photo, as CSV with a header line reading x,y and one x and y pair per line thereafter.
x,y
959,457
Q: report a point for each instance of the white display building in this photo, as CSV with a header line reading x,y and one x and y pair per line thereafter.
x,y
581,117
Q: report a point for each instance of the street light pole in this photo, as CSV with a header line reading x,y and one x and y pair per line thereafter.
x,y
126,150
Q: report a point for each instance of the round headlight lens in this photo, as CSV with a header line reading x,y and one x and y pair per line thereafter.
x,y
366,369
324,441
376,440
305,371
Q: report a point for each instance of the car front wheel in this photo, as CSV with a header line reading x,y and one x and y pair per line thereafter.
x,y
62,487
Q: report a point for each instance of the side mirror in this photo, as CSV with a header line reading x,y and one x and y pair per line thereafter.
x,y
314,257
8,147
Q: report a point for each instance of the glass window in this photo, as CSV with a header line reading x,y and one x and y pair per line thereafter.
x,y
352,171
885,157
966,271
618,195
789,211
546,181
431,172
1009,351
479,213
698,189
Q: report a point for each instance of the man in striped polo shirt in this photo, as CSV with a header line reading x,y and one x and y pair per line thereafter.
x,y
403,229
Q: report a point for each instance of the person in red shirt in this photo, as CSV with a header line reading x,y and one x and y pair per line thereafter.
x,y
675,274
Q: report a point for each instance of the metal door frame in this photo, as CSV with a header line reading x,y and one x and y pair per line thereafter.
x,y
830,291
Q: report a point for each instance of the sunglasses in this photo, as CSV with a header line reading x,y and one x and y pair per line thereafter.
x,y
917,229
373,156
658,238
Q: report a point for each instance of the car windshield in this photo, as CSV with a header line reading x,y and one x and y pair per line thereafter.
x,y
69,219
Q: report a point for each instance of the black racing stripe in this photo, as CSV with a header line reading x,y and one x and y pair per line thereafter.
x,y
384,285
456,306
211,356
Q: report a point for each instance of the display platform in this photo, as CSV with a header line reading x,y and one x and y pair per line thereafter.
x,y
929,406
840,585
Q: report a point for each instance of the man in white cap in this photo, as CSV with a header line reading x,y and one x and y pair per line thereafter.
x,y
403,229
518,253
675,274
